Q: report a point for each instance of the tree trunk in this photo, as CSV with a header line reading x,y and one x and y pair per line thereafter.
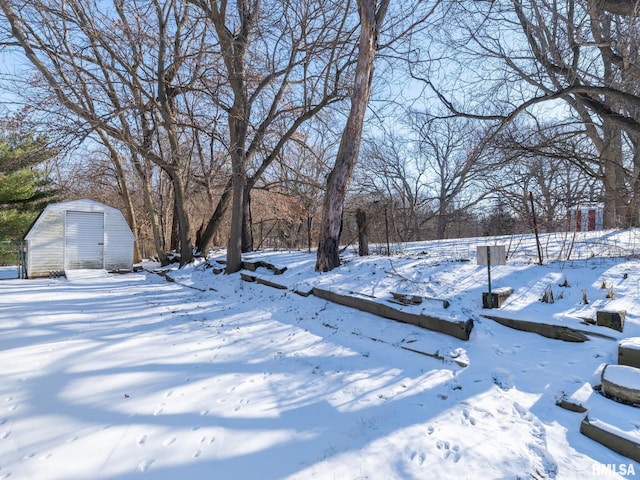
x,y
153,220
148,203
130,212
634,202
214,221
184,227
615,215
363,237
338,181
247,234
441,227
238,182
174,243
121,177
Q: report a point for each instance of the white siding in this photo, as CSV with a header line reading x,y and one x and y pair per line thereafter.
x,y
46,239
45,245
118,243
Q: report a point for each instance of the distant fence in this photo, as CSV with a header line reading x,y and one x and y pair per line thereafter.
x,y
12,260
556,246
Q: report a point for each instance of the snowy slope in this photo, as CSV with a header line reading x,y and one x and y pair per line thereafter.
x,y
208,376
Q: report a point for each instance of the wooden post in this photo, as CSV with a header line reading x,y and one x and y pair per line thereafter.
x,y
386,227
363,238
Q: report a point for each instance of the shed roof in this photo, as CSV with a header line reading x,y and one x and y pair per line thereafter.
x,y
82,205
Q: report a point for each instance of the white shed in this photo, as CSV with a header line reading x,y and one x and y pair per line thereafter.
x,y
80,234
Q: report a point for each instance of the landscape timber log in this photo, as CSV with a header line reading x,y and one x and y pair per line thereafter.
x,y
263,281
461,330
622,445
557,332
621,382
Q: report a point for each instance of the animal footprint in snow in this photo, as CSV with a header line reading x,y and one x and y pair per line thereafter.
x,y
498,350
144,465
455,453
467,418
502,378
448,451
418,458
197,453
169,441
142,439
520,410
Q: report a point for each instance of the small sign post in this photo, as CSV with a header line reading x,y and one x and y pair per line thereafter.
x,y
486,255
489,275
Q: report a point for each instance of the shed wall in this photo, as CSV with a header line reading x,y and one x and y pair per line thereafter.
x,y
45,245
118,242
46,239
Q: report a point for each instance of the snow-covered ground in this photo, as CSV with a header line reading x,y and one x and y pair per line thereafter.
x,y
210,377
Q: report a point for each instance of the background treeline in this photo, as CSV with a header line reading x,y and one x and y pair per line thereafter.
x,y
206,122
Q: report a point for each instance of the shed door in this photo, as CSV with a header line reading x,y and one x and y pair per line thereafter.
x,y
84,240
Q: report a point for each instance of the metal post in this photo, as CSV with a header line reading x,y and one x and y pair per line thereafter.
x,y
490,296
535,228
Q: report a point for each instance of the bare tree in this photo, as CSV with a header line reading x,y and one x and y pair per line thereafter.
x,y
457,160
390,169
405,18
372,14
576,52
283,63
122,71
551,161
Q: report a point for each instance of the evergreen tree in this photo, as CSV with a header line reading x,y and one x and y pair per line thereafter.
x,y
24,188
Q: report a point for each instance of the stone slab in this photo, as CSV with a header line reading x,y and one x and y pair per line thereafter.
x,y
577,401
629,352
611,318
498,297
